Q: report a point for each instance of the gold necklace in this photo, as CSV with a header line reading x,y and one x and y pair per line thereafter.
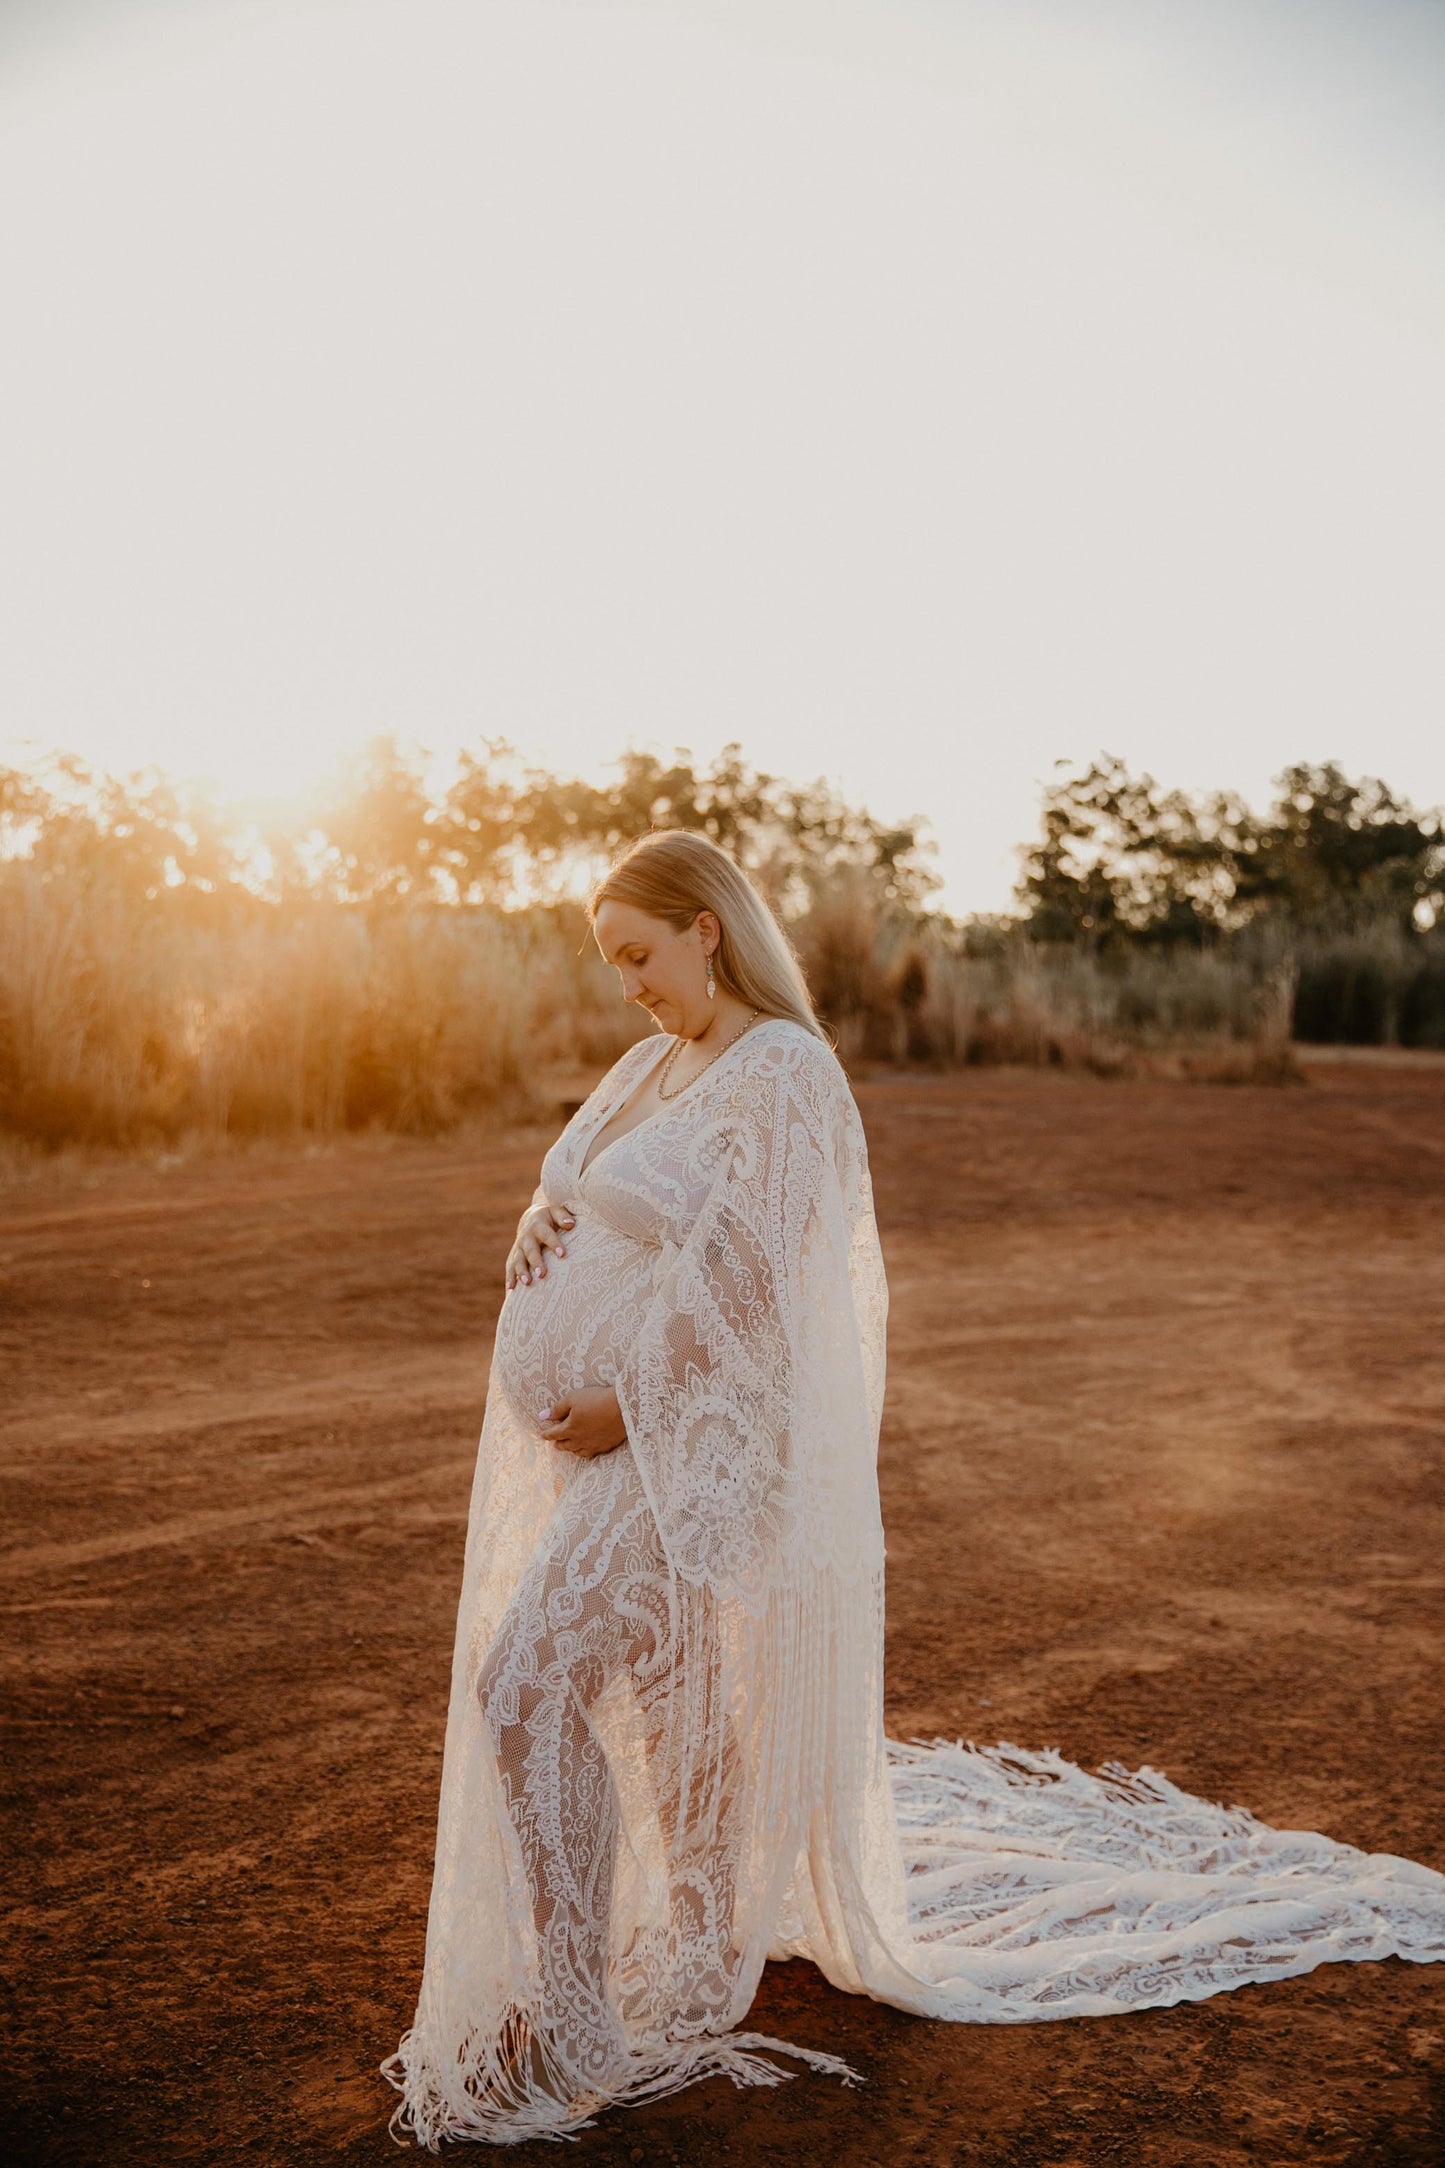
x,y
666,1068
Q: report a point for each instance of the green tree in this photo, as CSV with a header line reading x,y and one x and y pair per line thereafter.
x,y
501,824
1120,860
1334,850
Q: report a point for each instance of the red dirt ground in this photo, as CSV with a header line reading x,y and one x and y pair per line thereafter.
x,y
1164,1478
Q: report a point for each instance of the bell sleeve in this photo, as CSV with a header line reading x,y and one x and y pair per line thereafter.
x,y
750,1393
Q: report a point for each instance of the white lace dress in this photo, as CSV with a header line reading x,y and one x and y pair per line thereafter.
x,y
665,1758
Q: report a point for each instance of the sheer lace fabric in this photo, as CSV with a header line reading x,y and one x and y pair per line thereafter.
x,y
665,1757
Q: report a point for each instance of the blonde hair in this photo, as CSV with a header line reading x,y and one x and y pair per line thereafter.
x,y
673,874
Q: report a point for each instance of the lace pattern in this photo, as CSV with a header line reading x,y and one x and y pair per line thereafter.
x,y
665,1757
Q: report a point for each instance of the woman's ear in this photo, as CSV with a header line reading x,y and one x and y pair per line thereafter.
x,y
709,927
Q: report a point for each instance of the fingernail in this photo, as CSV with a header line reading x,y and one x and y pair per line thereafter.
x,y
544,1415
561,1249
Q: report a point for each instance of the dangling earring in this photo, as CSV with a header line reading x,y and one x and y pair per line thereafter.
x,y
711,982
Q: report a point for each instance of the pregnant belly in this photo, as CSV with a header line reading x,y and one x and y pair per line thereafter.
x,y
574,1327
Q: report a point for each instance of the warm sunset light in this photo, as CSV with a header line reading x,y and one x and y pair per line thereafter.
x,y
914,393
722,1078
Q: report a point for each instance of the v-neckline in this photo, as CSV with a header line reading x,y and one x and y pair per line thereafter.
x,y
589,1157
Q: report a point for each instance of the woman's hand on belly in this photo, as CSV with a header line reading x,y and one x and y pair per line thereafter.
x,y
587,1422
540,1229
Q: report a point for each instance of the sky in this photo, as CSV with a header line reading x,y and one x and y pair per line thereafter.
x,y
917,392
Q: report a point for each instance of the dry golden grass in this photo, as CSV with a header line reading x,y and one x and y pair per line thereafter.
x,y
130,1021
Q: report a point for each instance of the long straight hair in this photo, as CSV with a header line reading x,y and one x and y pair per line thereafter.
x,y
673,874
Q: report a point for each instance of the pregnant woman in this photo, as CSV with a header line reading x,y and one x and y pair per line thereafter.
x,y
665,1756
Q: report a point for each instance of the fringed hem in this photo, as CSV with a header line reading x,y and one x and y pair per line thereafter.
x,y
509,2098
932,1778
1037,1890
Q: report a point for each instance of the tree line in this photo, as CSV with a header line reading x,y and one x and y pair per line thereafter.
x,y
1119,860
1122,861
412,955
501,834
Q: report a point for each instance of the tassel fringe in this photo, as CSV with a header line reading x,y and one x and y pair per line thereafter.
x,y
509,2101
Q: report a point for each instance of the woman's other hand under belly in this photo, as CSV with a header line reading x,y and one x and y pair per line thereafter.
x,y
587,1422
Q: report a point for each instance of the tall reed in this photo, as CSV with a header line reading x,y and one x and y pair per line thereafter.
x,y
898,990
122,1021
125,1019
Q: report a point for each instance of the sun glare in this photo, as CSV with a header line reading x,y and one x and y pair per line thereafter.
x,y
915,396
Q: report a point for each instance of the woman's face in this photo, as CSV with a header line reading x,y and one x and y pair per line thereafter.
x,y
662,971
